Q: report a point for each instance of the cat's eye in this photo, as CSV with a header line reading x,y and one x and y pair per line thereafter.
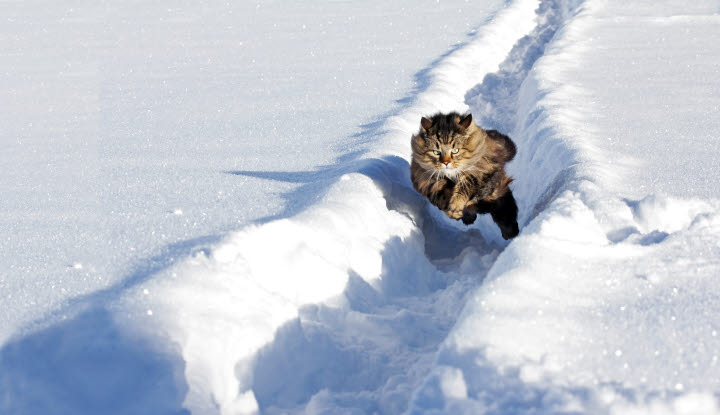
x,y
455,150
436,152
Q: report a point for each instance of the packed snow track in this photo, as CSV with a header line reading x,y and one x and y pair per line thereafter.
x,y
367,299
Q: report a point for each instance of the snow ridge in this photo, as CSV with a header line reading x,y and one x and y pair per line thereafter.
x,y
344,295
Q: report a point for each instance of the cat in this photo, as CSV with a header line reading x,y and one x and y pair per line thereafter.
x,y
460,168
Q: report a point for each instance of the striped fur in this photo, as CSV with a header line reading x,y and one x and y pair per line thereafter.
x,y
460,168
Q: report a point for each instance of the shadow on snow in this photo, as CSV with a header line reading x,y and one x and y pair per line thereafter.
x,y
88,364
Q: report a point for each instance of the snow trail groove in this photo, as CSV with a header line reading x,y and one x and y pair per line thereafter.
x,y
372,352
379,346
342,307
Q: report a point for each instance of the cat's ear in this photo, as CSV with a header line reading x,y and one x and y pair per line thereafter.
x,y
466,121
425,124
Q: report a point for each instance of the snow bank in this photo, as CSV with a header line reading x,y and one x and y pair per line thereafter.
x,y
224,307
603,304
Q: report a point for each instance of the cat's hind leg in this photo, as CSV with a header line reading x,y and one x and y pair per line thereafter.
x,y
504,213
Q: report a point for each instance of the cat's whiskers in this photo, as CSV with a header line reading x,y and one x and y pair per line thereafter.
x,y
434,172
427,174
468,170
449,173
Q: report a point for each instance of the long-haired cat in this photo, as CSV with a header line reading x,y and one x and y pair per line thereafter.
x,y
460,168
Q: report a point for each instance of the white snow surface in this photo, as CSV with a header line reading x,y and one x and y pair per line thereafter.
x,y
344,291
133,133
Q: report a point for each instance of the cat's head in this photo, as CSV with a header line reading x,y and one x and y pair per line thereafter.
x,y
447,143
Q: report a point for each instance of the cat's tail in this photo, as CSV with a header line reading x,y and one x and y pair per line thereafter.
x,y
507,144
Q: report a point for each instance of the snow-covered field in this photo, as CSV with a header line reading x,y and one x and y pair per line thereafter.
x,y
206,209
123,123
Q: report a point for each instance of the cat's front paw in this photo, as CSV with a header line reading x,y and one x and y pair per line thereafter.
x,y
468,217
456,207
454,213
470,212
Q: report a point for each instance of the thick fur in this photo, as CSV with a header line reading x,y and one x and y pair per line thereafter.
x,y
468,176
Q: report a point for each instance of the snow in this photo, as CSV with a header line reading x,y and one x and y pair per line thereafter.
x,y
343,291
117,117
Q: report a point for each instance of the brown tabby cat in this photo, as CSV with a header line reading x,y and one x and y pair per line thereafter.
x,y
460,168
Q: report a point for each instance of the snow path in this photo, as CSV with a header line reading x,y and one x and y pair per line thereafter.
x,y
381,307
370,301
